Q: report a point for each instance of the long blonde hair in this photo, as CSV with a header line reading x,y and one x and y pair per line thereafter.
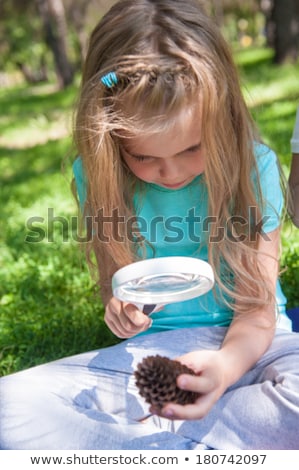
x,y
167,54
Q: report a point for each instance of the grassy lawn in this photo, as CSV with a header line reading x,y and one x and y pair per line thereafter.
x,y
49,307
272,93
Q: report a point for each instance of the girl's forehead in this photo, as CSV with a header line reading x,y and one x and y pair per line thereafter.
x,y
174,136
183,121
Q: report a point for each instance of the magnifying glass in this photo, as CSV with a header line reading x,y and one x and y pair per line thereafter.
x,y
153,283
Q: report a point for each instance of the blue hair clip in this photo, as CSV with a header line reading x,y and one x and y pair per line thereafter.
x,y
109,80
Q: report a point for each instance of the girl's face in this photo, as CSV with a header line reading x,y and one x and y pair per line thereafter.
x,y
171,159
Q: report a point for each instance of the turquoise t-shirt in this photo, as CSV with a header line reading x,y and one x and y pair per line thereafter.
x,y
176,223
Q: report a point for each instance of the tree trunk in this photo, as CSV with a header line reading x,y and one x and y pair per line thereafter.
x,y
36,76
53,17
77,14
283,26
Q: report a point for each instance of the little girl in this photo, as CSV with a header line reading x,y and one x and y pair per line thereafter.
x,y
170,164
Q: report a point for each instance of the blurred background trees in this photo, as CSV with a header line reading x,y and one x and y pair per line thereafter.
x,y
47,39
282,28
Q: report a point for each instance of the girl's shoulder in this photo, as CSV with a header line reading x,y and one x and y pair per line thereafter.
x,y
267,164
264,155
268,169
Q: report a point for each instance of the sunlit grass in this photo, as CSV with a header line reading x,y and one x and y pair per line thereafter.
x,y
49,306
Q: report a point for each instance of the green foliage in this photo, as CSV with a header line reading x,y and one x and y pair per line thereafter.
x,y
290,265
22,42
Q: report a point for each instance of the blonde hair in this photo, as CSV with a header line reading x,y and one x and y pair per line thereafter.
x,y
168,54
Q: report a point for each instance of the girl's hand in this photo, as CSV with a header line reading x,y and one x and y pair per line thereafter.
x,y
124,319
210,382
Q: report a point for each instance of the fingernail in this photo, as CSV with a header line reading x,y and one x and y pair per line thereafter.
x,y
169,413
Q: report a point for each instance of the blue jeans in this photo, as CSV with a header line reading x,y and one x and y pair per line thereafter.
x,y
90,401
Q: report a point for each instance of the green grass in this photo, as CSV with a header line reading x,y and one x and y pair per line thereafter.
x,y
49,306
272,94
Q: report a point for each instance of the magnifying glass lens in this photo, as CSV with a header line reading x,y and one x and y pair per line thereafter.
x,y
163,280
163,283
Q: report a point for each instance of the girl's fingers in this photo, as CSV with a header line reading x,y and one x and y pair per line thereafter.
x,y
120,331
195,383
133,320
135,316
207,396
125,320
114,328
197,410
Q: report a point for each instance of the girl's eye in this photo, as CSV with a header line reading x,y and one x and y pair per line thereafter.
x,y
142,158
194,149
139,158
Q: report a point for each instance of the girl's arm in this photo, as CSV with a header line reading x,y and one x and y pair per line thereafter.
x,y
250,335
247,339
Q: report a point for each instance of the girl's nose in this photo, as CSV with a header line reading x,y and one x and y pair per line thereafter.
x,y
169,169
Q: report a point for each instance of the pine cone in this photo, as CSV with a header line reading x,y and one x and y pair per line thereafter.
x,y
156,381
